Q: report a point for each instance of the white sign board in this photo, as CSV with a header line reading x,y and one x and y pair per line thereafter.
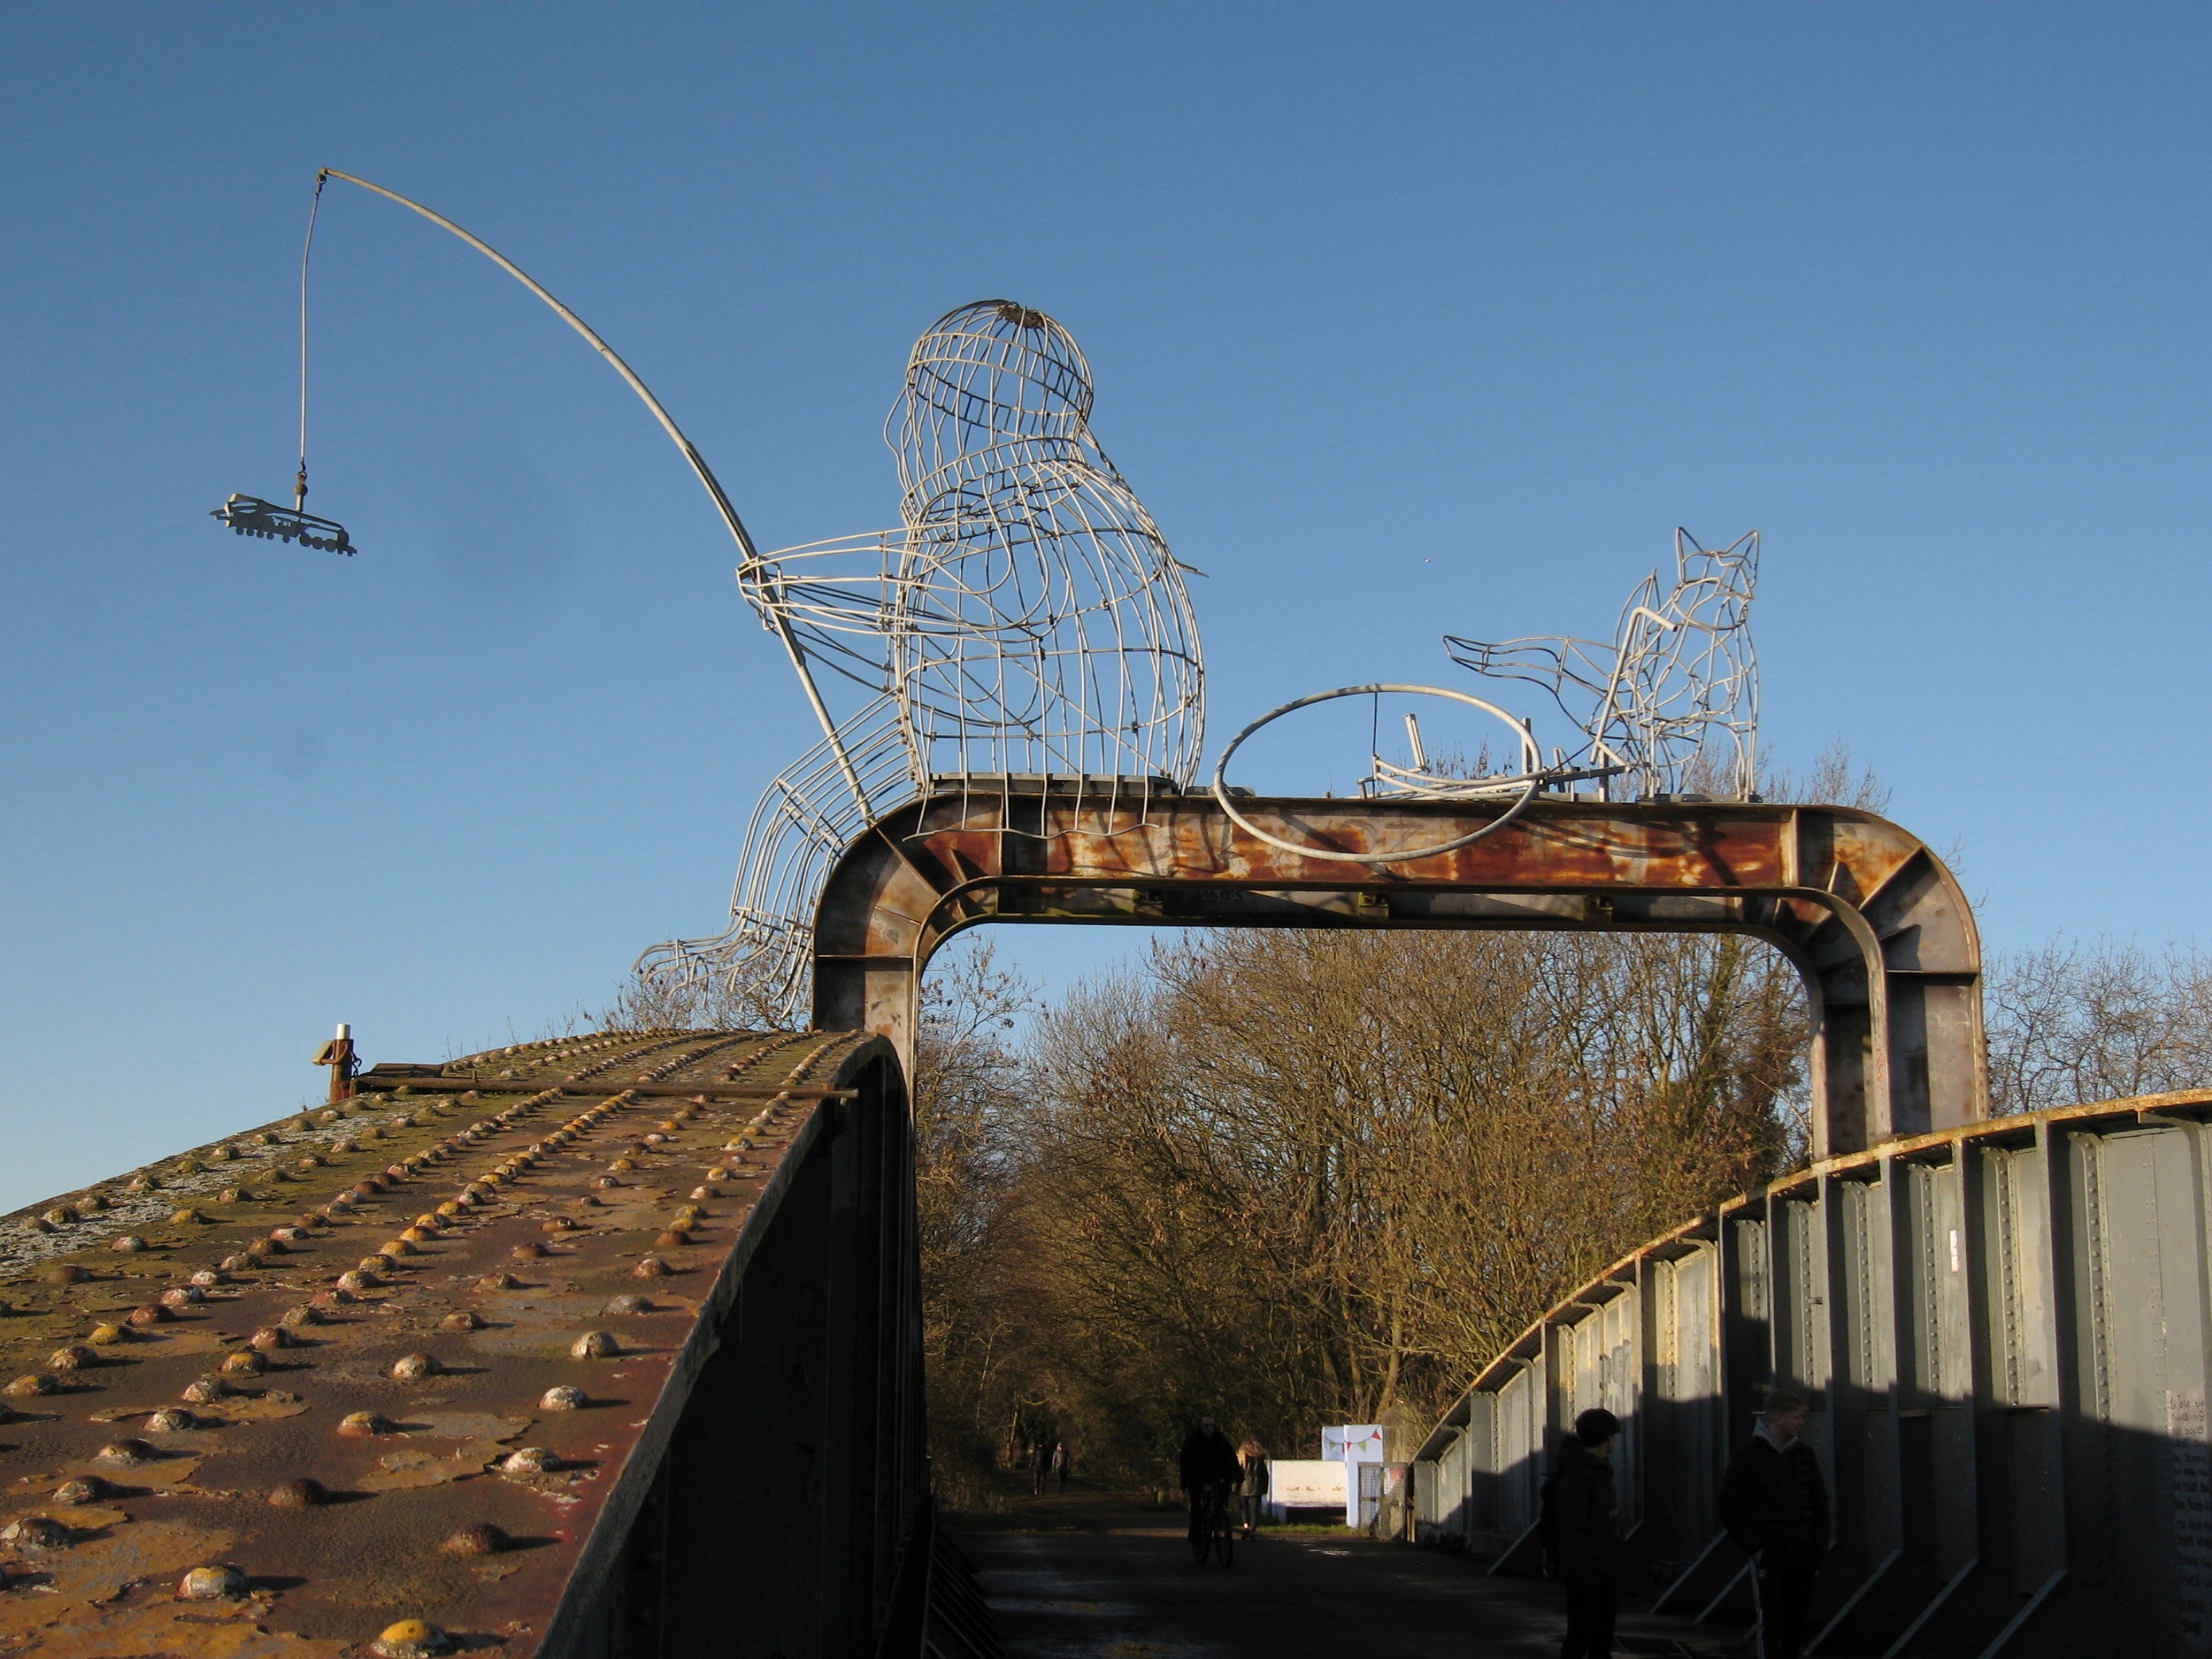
x,y
1316,1485
1354,1442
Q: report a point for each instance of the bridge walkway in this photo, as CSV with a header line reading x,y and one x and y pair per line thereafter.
x,y
1090,1575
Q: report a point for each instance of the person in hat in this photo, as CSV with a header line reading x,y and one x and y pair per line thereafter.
x,y
1580,1524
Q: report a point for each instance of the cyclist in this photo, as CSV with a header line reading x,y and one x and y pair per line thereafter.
x,y
1209,1470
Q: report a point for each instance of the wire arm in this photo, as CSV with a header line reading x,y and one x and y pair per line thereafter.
x,y
697,462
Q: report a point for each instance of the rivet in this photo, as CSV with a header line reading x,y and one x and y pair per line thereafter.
x,y
125,1454
605,1182
594,1345
352,1281
74,1358
170,1419
244,1262
483,1539
623,1165
703,1192
502,1282
105,1335
332,1296
629,1302
63,1273
186,1217
360,1424
530,1252
246,1362
60,1216
27,1387
86,1489
718,1173
37,1532
449,1208
412,1638
564,1397
211,1583
651,1266
398,1246
270,1339
302,1314
207,1278
301,1494
183,1296
463,1321
412,1368
152,1314
674,1238
204,1390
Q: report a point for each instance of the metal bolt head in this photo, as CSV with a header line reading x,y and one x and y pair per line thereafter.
x,y
352,1281
560,1224
411,1638
37,1532
271,1339
153,1313
594,1345
63,1273
651,1266
530,1252
564,1397
396,1247
362,1425
186,1217
171,1420
205,1391
207,1278
86,1489
414,1367
29,1386
482,1539
246,1362
245,1261
212,1584
301,1494
674,1239
293,1318
104,1336
605,1182
129,1244
461,1321
125,1454
76,1356
183,1296
379,1263
629,1302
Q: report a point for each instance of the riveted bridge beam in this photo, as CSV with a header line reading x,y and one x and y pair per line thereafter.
x,y
1877,925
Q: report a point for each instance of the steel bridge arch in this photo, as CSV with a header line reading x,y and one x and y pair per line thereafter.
x,y
1877,925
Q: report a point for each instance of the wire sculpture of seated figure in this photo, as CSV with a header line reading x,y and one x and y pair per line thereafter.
x,y
1673,700
1026,617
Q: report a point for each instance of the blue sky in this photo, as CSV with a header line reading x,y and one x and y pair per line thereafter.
x,y
1405,319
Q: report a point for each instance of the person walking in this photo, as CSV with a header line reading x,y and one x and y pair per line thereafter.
x,y
1774,1503
1580,1523
1252,1483
1040,1467
1207,1467
1060,1463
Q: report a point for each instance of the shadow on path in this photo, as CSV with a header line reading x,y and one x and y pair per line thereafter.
x,y
1089,1576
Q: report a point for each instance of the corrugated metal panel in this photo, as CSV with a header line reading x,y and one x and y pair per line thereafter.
x,y
2006,1331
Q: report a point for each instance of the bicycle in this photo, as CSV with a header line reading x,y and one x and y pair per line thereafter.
x,y
1219,1535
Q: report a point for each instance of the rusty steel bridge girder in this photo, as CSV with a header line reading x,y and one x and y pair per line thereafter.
x,y
1878,927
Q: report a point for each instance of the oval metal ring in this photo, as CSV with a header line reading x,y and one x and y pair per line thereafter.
x,y
1531,756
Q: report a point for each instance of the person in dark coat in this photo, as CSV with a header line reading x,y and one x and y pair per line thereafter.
x,y
1040,1467
1062,1461
1774,1503
1208,1469
1580,1526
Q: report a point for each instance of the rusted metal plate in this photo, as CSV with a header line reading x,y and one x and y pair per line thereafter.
x,y
407,1362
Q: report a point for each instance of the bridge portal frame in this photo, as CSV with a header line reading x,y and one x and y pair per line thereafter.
x,y
1877,925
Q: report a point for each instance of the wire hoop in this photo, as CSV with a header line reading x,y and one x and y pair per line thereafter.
x,y
1532,779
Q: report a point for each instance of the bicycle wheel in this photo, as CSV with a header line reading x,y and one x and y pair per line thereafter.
x,y
1224,1541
